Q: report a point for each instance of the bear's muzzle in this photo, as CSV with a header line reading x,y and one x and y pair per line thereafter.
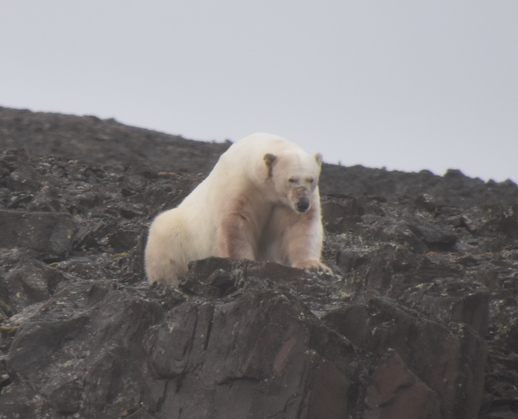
x,y
302,205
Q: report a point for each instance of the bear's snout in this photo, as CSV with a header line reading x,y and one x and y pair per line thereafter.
x,y
302,205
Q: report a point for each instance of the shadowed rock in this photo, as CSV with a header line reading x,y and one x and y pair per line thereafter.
x,y
420,319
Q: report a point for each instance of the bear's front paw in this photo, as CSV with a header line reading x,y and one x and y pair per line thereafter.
x,y
312,265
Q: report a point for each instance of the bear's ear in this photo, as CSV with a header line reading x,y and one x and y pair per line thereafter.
x,y
318,158
269,159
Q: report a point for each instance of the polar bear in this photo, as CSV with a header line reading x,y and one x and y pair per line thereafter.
x,y
260,202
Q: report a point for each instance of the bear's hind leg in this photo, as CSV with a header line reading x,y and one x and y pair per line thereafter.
x,y
162,263
168,248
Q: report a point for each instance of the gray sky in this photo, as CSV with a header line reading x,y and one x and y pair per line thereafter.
x,y
404,84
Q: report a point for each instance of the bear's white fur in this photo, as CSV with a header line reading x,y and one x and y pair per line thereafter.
x,y
260,202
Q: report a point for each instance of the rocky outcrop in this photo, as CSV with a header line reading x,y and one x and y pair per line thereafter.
x,y
420,319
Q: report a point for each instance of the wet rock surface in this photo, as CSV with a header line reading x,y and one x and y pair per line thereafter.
x,y
420,319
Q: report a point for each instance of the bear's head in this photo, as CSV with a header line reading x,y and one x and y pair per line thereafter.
x,y
294,175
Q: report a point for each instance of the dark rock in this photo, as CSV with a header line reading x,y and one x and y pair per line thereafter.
x,y
49,234
456,377
103,141
435,238
214,277
338,215
452,300
508,222
260,354
79,354
123,240
420,318
30,281
395,392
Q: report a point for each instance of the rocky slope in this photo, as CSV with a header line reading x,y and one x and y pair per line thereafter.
x,y
419,321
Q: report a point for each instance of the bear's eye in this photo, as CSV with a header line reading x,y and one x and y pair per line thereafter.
x,y
311,180
292,180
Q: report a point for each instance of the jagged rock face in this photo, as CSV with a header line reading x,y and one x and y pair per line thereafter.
x,y
419,321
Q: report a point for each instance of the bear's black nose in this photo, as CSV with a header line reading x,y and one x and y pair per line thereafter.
x,y
302,205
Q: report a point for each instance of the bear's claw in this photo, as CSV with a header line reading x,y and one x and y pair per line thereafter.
x,y
314,265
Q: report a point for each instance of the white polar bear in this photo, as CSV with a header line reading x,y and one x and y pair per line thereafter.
x,y
260,202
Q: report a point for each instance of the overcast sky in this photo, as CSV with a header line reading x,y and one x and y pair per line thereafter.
x,y
407,85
